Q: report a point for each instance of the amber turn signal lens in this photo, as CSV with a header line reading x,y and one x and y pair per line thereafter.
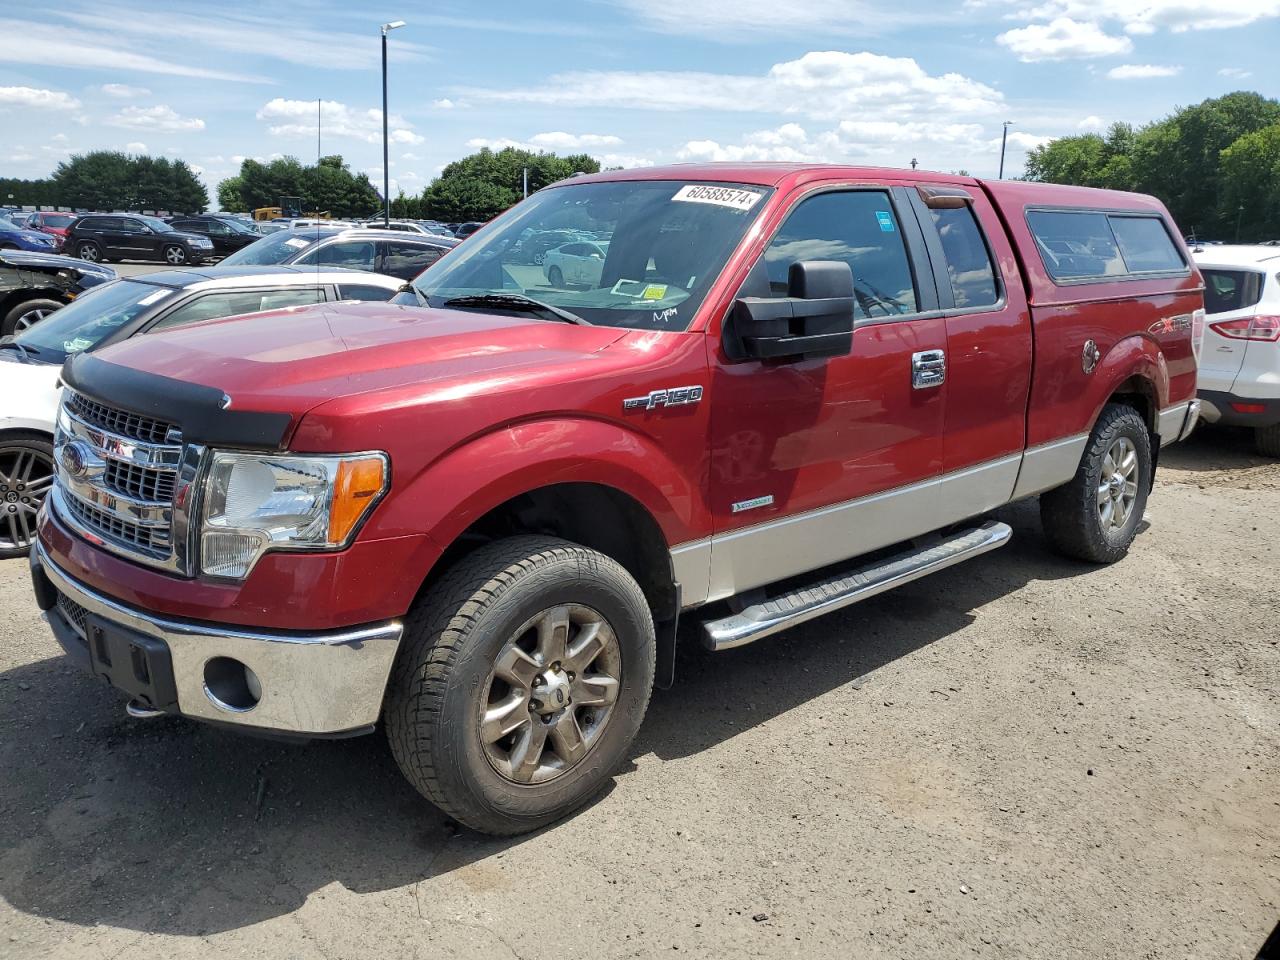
x,y
356,489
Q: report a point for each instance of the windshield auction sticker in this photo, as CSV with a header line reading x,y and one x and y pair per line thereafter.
x,y
731,197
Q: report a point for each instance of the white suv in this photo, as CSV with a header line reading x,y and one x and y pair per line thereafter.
x,y
1240,362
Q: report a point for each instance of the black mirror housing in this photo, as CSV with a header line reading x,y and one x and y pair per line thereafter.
x,y
815,319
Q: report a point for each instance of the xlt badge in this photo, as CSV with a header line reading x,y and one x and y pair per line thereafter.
x,y
671,397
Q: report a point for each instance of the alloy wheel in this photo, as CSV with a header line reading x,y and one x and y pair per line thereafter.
x,y
90,252
1118,485
30,319
175,255
25,478
550,695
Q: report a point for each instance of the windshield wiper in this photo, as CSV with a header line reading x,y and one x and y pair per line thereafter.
x,y
516,301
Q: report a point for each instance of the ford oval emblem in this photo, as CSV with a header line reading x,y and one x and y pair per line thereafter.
x,y
75,457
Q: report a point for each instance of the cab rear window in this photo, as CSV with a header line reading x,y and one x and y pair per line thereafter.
x,y
1083,245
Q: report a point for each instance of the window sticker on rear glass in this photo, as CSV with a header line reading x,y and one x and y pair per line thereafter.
x,y
151,298
885,219
734,198
296,242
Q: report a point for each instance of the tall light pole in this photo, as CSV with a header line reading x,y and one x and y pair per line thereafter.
x,y
386,159
1004,139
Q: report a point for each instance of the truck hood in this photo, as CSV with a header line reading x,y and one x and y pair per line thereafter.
x,y
288,361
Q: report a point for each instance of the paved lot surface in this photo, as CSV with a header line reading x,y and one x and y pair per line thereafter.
x,y
1021,757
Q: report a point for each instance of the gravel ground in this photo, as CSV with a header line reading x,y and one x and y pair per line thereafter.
x,y
1020,757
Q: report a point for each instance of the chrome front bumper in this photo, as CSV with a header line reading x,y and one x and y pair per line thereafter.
x,y
311,684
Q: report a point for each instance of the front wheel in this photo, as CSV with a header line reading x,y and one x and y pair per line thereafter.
x,y
1095,515
26,474
523,678
26,314
555,276
175,255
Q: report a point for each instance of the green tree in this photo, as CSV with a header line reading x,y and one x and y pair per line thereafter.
x,y
328,185
1178,159
482,185
229,198
107,180
1088,160
1251,185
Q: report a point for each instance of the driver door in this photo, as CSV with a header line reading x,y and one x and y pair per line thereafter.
x,y
817,460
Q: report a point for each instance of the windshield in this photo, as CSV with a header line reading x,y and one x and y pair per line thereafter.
x,y
91,318
159,226
632,253
237,226
276,248
58,220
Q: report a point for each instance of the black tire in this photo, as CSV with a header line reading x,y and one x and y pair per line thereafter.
x,y
1267,440
555,277
440,682
27,314
20,496
1071,514
90,251
175,255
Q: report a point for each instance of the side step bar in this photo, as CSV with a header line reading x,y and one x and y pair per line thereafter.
x,y
813,600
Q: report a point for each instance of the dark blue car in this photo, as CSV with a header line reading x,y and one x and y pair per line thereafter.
x,y
17,238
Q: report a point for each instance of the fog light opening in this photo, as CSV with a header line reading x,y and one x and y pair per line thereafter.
x,y
230,685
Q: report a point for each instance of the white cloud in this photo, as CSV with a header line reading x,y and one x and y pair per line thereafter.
x,y
242,33
159,117
43,44
37,99
59,138
937,144
558,140
408,156
1062,39
20,156
297,118
135,147
1235,73
122,91
744,19
820,84
444,103
1141,71
1091,123
1144,17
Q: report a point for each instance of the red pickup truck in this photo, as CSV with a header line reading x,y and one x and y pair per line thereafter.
x,y
744,395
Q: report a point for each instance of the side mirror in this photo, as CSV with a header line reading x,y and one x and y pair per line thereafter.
x,y
815,319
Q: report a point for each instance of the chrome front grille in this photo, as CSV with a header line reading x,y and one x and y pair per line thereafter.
x,y
117,478
121,422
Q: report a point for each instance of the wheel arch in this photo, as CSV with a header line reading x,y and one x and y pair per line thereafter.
x,y
16,297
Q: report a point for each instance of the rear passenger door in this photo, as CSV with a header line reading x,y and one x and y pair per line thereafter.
x,y
980,292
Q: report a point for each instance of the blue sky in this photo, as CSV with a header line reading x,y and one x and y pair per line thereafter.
x,y
633,82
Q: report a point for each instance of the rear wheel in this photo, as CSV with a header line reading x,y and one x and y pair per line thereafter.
x,y
26,474
25,315
555,277
1095,516
1267,440
175,254
88,250
523,678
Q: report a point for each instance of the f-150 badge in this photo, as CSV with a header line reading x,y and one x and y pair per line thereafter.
x,y
671,397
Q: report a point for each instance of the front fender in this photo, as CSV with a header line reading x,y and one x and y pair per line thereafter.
x,y
443,499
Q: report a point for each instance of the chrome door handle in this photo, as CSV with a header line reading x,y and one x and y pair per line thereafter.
x,y
928,369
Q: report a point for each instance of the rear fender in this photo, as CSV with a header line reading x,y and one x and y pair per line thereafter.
x,y
1133,357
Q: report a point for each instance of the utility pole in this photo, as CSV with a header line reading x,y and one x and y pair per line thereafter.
x,y
1004,139
526,183
386,151
914,161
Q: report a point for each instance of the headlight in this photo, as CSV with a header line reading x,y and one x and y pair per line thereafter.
x,y
254,503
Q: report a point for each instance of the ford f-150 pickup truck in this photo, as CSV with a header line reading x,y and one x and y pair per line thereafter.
x,y
475,515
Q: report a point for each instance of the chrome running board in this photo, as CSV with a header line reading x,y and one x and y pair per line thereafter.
x,y
845,588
